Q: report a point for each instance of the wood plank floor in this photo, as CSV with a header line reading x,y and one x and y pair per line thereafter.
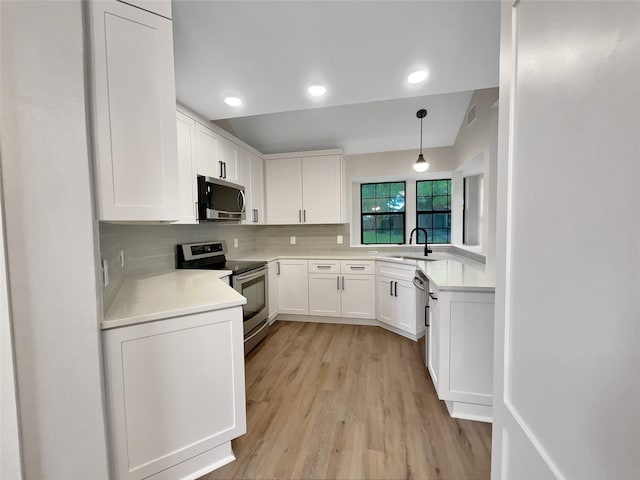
x,y
327,401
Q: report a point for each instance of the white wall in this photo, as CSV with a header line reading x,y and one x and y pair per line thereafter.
x,y
566,393
50,232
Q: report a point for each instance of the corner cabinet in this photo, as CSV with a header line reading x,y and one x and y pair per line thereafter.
x,y
133,114
304,187
176,394
293,287
396,298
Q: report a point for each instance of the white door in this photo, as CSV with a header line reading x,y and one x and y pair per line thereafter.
x,y
274,271
566,389
207,156
283,181
406,305
229,156
134,113
244,179
257,190
358,296
321,189
324,294
385,301
293,287
188,186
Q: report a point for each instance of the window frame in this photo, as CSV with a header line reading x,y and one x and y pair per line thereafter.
x,y
403,213
433,212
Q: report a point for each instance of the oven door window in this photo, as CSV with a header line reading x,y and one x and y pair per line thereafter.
x,y
254,291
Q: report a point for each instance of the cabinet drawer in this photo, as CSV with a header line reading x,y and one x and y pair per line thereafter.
x,y
357,266
324,266
396,270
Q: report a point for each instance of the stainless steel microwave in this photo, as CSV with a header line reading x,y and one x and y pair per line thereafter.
x,y
220,200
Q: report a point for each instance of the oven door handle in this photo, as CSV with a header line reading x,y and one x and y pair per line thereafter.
x,y
252,274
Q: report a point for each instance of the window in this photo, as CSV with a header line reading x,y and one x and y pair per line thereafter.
x,y
433,210
382,212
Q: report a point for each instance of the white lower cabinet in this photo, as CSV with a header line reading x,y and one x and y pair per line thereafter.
x,y
396,297
293,287
460,351
334,291
176,394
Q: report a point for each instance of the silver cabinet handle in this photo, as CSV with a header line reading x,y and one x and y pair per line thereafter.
x,y
224,166
356,268
304,216
299,216
221,168
391,288
278,268
338,283
433,297
342,283
396,290
323,267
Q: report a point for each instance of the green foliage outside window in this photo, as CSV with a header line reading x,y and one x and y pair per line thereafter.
x,y
433,210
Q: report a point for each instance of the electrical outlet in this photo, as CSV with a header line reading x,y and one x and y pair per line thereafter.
x,y
105,272
235,243
339,240
122,258
292,240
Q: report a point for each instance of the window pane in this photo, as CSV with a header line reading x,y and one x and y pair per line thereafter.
x,y
368,222
396,188
368,190
424,189
424,203
369,236
383,237
397,236
425,220
441,202
441,187
382,190
440,220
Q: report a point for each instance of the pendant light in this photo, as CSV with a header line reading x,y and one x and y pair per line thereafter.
x,y
421,164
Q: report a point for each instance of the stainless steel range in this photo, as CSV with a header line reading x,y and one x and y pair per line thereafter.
x,y
248,277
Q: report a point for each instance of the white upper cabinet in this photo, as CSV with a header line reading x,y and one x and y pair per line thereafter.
x,y
133,112
251,176
304,189
208,145
188,186
161,7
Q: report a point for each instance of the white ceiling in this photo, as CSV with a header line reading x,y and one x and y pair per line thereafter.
x,y
268,53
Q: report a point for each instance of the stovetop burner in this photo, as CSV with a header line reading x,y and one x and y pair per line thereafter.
x,y
211,256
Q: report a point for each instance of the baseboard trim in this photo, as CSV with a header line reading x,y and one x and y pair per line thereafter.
x,y
348,321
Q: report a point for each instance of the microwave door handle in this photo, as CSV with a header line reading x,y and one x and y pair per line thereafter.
x,y
242,200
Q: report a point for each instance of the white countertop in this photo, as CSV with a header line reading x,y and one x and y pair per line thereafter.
x,y
447,270
171,294
453,274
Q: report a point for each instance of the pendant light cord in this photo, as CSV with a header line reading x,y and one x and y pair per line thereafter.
x,y
421,136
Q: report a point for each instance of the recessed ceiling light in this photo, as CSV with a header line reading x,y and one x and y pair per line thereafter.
x,y
418,76
233,101
317,90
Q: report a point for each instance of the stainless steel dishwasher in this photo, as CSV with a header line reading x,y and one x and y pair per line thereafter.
x,y
422,311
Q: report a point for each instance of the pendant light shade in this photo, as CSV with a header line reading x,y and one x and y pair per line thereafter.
x,y
421,164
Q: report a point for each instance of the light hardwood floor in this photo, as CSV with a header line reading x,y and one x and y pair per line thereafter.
x,y
327,401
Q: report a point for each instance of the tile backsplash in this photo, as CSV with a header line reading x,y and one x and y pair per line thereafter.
x,y
151,249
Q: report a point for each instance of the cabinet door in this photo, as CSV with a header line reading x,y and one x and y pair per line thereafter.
x,y
283,182
324,294
358,296
273,272
244,179
229,157
257,190
134,113
188,185
434,340
406,306
293,291
322,189
152,373
207,146
385,302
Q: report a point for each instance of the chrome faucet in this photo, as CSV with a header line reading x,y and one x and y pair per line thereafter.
x,y
427,250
